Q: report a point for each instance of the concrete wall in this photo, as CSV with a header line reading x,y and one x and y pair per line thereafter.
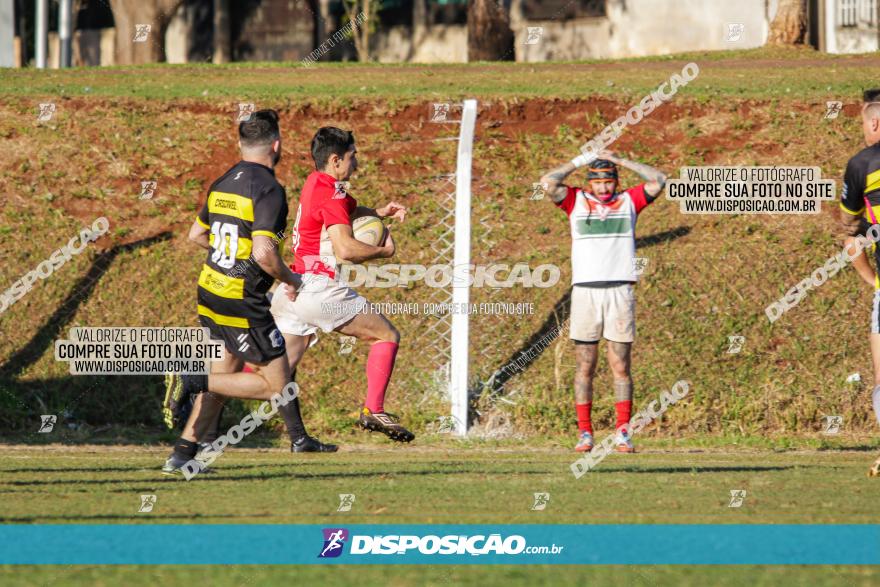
x,y
440,44
636,28
272,31
7,34
267,31
860,38
852,40
630,28
90,47
177,37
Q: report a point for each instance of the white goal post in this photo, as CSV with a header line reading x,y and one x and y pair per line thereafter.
x,y
459,339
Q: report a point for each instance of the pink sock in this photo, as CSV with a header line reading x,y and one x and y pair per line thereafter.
x,y
380,364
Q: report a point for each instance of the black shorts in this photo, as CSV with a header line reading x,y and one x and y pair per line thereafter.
x,y
258,344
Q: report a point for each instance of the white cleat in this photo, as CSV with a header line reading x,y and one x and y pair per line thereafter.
x,y
623,442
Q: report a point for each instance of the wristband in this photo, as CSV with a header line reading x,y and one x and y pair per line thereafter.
x,y
583,159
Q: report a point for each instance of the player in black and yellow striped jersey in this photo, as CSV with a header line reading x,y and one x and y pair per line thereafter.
x,y
859,209
247,202
241,224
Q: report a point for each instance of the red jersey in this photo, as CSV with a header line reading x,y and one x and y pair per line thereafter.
x,y
638,195
603,235
322,203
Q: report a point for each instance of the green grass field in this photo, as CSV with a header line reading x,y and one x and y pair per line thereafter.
x,y
435,576
446,483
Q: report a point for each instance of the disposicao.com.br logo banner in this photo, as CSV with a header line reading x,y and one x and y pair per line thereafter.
x,y
431,543
424,544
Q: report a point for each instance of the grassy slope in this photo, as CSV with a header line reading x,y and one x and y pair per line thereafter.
x,y
714,281
760,73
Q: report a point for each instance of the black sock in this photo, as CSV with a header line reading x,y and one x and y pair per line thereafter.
x,y
214,433
194,383
293,420
185,449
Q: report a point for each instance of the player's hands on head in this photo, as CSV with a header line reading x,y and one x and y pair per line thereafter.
x,y
392,210
608,155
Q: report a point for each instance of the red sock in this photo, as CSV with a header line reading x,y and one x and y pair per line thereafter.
x,y
380,364
585,423
624,412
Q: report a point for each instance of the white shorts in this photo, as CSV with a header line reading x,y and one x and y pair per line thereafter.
x,y
327,309
602,312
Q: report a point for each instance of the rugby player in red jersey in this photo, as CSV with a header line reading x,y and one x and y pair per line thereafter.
x,y
602,222
323,233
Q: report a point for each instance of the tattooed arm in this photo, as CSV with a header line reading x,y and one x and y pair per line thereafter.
x,y
655,179
552,182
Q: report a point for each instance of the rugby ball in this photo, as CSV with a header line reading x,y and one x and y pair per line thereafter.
x,y
369,230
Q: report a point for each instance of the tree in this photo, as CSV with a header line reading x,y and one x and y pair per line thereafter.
x,y
323,21
127,14
420,22
489,34
361,32
790,25
222,32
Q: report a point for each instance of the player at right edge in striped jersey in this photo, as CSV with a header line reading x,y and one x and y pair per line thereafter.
x,y
859,208
603,222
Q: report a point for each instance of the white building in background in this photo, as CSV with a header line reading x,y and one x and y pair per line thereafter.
x,y
551,30
637,28
554,30
548,30
432,31
851,26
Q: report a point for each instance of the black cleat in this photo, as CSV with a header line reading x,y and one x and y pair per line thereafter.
x,y
385,423
174,465
205,456
309,444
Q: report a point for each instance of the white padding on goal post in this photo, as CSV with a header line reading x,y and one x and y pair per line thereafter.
x,y
458,371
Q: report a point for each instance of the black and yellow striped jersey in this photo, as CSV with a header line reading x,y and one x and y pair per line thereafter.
x,y
861,185
244,202
861,191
